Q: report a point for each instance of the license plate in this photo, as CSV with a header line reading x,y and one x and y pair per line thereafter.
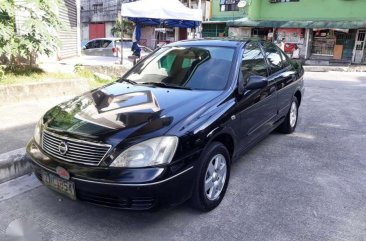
x,y
60,185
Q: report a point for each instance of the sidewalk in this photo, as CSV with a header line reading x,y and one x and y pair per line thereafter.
x,y
68,65
346,68
17,126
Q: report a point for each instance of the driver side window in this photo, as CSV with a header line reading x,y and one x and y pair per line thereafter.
x,y
253,62
90,45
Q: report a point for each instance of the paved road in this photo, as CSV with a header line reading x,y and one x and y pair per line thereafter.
x,y
310,185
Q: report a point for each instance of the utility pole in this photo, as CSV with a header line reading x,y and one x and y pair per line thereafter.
x,y
200,26
122,28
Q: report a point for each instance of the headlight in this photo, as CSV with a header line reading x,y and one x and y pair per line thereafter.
x,y
37,132
152,152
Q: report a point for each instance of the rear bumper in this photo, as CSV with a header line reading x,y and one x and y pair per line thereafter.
x,y
147,188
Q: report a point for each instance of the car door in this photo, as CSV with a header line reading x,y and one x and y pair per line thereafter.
x,y
257,108
282,75
106,48
98,48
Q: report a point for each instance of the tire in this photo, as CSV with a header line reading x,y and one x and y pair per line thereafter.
x,y
289,124
215,166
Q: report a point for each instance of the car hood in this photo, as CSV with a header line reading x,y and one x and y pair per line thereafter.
x,y
125,110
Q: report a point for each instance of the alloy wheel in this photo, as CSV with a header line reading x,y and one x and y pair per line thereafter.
x,y
293,114
215,177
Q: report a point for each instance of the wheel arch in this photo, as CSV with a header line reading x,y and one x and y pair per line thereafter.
x,y
298,95
227,140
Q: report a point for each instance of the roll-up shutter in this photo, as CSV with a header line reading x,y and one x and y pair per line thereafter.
x,y
68,36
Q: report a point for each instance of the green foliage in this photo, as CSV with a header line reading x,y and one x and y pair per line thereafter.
x,y
27,28
127,28
29,74
94,81
2,72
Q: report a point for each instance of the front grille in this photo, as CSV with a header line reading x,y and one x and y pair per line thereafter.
x,y
82,152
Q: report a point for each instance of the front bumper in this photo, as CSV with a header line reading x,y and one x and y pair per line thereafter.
x,y
124,188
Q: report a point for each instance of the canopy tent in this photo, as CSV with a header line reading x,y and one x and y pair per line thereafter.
x,y
168,13
164,13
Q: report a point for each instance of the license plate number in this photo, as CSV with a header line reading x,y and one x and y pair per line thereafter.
x,y
60,185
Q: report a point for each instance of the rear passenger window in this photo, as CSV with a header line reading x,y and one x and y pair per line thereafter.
x,y
98,43
253,62
273,56
105,43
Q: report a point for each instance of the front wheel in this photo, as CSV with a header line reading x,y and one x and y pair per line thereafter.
x,y
213,178
290,122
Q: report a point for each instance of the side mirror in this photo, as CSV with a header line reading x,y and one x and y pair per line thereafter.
x,y
256,82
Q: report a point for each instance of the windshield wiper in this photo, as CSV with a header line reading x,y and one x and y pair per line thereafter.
x,y
164,85
129,81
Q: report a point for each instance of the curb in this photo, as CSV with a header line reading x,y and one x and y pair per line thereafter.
x,y
10,94
13,164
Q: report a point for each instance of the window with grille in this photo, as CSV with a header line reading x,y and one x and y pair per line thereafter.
x,y
229,5
98,7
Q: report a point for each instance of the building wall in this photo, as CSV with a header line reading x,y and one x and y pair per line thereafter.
x,y
84,31
309,10
68,14
228,15
108,27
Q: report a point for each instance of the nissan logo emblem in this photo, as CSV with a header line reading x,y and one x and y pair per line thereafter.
x,y
63,148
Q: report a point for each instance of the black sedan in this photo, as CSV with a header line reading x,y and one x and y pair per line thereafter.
x,y
169,129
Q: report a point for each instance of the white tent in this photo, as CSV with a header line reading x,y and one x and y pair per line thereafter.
x,y
160,9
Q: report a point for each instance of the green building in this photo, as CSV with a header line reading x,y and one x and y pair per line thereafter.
x,y
323,30
221,12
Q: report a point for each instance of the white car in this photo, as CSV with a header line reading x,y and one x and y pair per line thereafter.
x,y
111,47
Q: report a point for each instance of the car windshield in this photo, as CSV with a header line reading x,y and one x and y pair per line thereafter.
x,y
201,68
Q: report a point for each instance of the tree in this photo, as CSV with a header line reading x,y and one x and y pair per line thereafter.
x,y
127,28
28,28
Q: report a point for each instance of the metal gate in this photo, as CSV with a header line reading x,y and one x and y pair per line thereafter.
x,y
68,36
96,30
359,50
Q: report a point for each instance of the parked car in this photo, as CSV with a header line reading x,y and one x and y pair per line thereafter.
x,y
111,47
170,128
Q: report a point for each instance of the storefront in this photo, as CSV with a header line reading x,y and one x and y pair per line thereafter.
x,y
213,29
262,33
335,44
240,32
293,39
165,35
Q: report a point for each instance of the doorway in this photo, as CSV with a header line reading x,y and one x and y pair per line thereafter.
x,y
359,50
183,34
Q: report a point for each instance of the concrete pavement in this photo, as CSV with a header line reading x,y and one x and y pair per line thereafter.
x,y
18,121
306,186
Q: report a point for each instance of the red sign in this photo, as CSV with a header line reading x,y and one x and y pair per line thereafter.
x,y
62,173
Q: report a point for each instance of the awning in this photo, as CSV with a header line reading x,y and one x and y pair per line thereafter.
x,y
219,20
245,22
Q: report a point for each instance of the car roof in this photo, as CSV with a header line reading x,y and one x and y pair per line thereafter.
x,y
211,42
124,39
